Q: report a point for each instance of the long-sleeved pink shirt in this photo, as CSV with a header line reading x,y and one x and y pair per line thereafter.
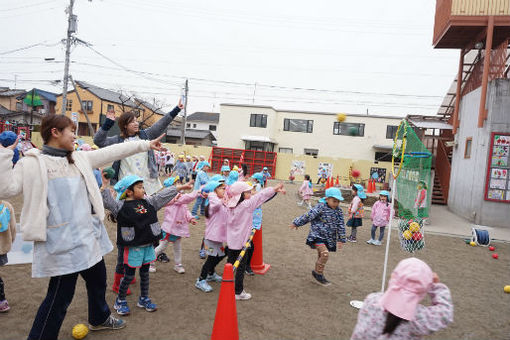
x,y
177,215
216,224
240,218
429,319
380,214
306,190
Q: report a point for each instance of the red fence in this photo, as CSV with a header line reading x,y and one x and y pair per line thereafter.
x,y
16,128
255,160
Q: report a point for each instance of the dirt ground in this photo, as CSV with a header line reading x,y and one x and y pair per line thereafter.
x,y
286,303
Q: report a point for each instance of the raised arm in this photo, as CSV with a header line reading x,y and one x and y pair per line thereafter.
x,y
109,202
187,198
101,138
104,156
11,181
161,125
309,216
430,319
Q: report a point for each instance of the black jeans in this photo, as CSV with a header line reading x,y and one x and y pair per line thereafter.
x,y
2,293
119,268
249,255
53,309
210,265
239,275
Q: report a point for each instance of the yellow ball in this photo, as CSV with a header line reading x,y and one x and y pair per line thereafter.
x,y
407,234
340,117
80,331
507,289
414,227
472,244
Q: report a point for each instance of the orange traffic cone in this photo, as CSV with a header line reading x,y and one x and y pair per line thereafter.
x,y
225,322
257,261
369,186
337,181
374,189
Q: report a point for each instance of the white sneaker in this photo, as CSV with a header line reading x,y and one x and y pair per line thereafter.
x,y
243,296
371,241
179,268
300,203
152,268
377,243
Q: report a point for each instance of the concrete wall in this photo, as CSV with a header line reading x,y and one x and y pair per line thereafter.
x,y
235,123
467,180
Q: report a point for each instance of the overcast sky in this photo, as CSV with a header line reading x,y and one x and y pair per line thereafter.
x,y
350,56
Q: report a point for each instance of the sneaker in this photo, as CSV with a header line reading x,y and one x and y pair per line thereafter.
x,y
203,286
249,271
4,306
202,254
121,307
351,239
145,302
214,278
152,268
243,296
320,278
377,243
196,217
179,268
300,204
163,258
371,241
110,323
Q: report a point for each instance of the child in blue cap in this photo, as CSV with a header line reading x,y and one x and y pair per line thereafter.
x,y
137,229
381,212
327,230
356,211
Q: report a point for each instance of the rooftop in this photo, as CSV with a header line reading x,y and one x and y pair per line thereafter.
x,y
11,93
211,117
105,94
190,133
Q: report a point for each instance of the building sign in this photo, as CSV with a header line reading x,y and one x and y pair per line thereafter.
x,y
497,186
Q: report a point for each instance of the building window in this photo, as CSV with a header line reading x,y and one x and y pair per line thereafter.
x,y
298,125
383,156
259,146
258,120
212,127
69,105
87,104
391,131
312,152
285,150
467,150
188,125
194,126
109,108
349,129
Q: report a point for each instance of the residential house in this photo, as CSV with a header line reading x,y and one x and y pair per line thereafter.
x,y
9,98
204,121
263,128
97,102
192,136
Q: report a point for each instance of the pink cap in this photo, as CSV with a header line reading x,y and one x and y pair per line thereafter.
x,y
235,191
409,283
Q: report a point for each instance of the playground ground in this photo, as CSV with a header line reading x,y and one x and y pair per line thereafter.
x,y
286,303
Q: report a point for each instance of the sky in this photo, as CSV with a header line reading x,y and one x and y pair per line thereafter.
x,y
329,56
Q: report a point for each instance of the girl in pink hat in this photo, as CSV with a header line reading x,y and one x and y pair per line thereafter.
x,y
397,313
242,204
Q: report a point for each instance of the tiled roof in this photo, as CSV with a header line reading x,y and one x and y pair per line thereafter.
x,y
11,93
212,117
105,94
190,133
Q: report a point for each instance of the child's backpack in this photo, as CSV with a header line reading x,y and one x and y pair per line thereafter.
x,y
5,218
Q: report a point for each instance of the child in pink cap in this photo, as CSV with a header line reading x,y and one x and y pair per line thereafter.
x,y
397,313
241,205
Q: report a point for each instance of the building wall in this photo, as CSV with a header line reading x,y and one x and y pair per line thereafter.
x,y
467,179
480,7
200,125
9,102
235,123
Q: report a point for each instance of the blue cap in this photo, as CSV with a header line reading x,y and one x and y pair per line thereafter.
x,y
170,181
124,184
225,168
385,193
217,178
211,186
361,191
265,168
258,176
201,164
233,176
334,193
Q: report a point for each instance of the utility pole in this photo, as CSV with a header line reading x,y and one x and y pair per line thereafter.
x,y
71,28
183,126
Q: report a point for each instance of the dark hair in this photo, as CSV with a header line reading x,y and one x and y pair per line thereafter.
x,y
356,189
123,122
240,199
307,177
206,210
110,217
245,169
59,122
392,322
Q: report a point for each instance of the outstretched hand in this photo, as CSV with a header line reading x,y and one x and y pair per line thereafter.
x,y
279,188
110,115
187,186
180,105
293,227
156,144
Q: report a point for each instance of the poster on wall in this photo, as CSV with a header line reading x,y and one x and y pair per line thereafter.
x,y
497,185
378,174
325,170
298,168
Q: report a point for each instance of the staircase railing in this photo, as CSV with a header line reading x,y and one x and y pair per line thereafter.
x,y
443,168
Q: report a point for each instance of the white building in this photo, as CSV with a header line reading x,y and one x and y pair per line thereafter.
x,y
204,121
264,128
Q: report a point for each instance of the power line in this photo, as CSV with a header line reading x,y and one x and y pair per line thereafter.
x,y
26,6
29,46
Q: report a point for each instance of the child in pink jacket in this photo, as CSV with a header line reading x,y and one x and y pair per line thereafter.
x,y
242,204
216,216
306,192
380,216
176,225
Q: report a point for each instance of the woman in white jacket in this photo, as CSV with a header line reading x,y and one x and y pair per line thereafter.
x,y
63,213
